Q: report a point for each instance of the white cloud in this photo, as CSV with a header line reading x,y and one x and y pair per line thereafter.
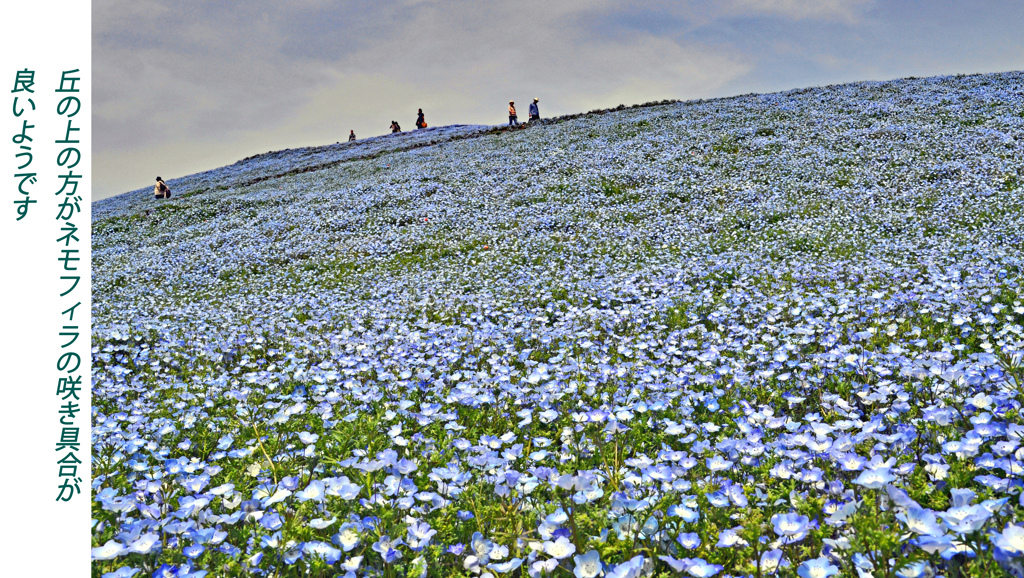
x,y
843,10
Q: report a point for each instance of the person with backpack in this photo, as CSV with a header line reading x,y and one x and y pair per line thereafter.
x,y
351,135
420,122
512,118
534,110
395,127
161,190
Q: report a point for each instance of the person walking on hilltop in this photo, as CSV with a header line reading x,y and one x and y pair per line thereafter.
x,y
534,110
395,127
161,190
512,118
351,135
420,122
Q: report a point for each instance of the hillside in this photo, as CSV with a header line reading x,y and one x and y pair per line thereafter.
x,y
625,332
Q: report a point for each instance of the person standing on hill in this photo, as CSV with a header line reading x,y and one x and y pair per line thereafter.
x,y
351,135
395,127
534,110
420,122
161,190
512,118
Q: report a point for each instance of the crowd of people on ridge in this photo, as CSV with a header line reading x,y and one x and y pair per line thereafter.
x,y
162,191
422,123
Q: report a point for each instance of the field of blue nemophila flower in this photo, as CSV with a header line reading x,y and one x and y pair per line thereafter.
x,y
769,335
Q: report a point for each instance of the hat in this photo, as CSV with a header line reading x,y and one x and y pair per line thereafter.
x,y
536,100
159,179
511,102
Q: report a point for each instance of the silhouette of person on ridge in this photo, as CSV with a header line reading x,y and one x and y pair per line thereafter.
x,y
161,190
395,127
420,122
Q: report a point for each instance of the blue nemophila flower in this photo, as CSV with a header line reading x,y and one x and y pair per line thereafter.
x,y
718,499
315,490
123,572
792,527
544,566
934,544
587,565
387,548
193,551
914,570
557,518
254,560
921,521
293,555
699,568
1010,540
629,569
347,537
677,565
308,438
278,496
505,567
736,494
341,487
772,560
560,548
683,512
272,541
420,534
189,506
689,541
271,521
717,463
730,537
817,568
168,571
874,479
481,546
323,550
352,564
145,543
320,523
112,549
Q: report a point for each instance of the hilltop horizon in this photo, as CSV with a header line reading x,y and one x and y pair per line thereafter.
x,y
433,130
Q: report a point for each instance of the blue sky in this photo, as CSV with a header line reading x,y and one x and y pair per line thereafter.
x,y
185,86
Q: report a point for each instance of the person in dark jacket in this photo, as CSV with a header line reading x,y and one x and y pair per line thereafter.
x,y
395,127
420,121
534,110
351,135
161,190
512,118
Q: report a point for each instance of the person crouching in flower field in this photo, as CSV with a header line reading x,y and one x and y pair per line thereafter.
x,y
161,190
512,118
